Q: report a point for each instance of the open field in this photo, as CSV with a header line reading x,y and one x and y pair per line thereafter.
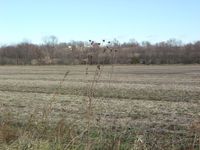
x,y
139,107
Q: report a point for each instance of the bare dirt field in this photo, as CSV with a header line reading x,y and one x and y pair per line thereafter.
x,y
138,107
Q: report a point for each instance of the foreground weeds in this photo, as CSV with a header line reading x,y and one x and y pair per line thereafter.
x,y
44,136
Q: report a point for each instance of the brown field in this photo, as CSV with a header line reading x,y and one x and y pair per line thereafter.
x,y
139,107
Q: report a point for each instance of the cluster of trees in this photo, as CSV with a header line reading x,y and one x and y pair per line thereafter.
x,y
78,52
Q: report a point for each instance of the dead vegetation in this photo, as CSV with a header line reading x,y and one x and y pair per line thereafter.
x,y
139,107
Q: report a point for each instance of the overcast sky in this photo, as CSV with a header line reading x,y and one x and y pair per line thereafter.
x,y
152,20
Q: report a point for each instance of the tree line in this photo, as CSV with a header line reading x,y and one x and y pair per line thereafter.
x,y
105,52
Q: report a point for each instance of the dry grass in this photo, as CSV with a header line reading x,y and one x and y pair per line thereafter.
x,y
143,107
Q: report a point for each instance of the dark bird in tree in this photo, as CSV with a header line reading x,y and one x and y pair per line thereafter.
x,y
98,67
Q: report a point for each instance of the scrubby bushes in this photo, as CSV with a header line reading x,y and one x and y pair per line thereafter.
x,y
170,52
